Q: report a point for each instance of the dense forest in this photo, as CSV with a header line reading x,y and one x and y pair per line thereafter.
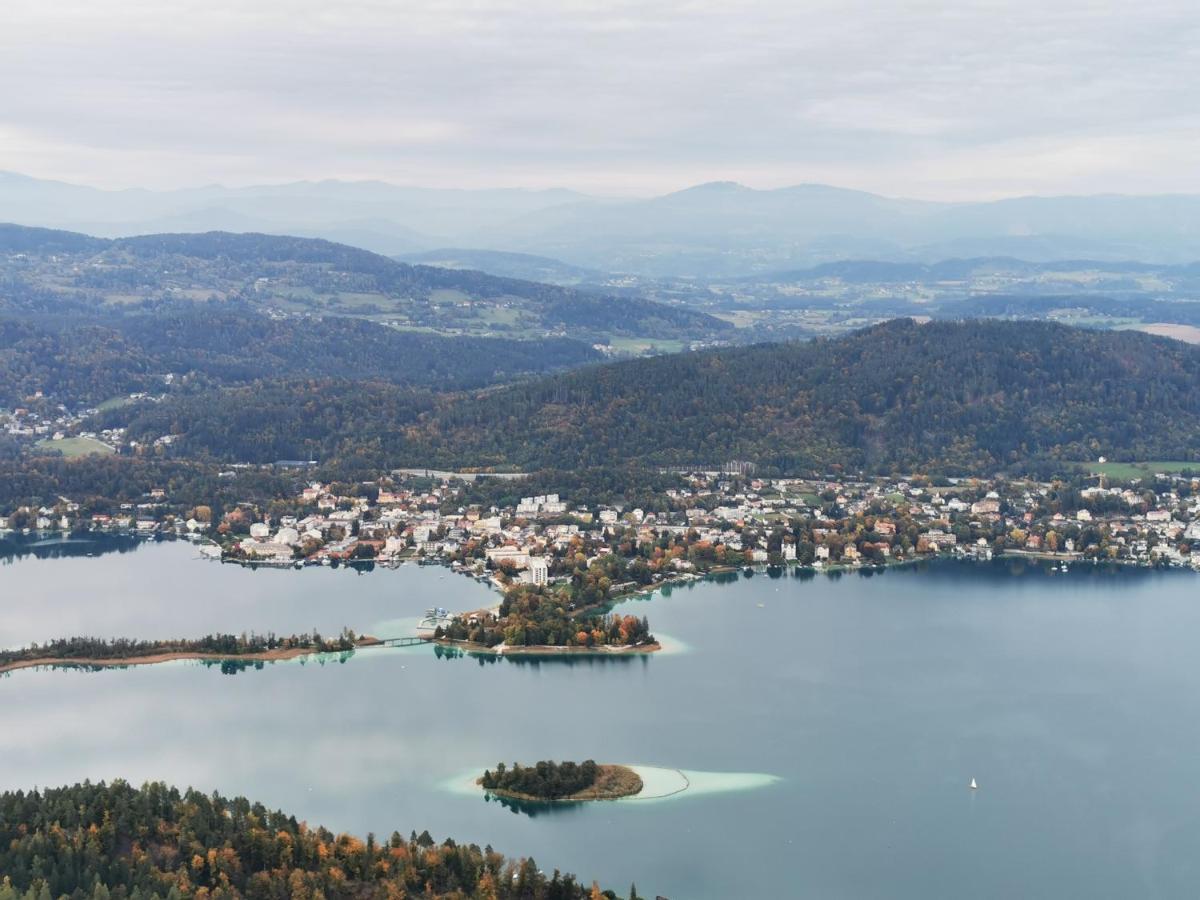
x,y
970,396
94,354
363,422
102,841
953,397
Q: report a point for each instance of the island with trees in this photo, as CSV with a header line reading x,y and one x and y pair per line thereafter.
x,y
565,781
104,841
538,619
87,651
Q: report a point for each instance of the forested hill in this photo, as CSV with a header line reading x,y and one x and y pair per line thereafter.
x,y
91,355
948,396
113,840
308,275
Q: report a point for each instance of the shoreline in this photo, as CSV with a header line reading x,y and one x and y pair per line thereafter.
x,y
546,649
154,659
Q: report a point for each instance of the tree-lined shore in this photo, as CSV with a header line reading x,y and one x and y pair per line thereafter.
x,y
88,651
117,842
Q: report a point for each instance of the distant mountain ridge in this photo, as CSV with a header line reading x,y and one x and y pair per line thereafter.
x,y
721,229
258,265
401,219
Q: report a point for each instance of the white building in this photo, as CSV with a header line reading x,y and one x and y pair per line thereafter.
x,y
538,572
288,536
514,556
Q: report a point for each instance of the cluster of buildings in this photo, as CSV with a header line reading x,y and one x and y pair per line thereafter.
x,y
40,421
711,520
715,520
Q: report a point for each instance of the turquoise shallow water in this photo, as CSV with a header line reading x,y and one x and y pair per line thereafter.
x,y
842,719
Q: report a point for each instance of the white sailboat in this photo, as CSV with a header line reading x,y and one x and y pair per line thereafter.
x,y
974,786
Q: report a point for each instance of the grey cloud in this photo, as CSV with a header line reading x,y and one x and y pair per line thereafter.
x,y
929,99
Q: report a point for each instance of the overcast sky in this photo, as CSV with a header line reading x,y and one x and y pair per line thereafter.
x,y
947,100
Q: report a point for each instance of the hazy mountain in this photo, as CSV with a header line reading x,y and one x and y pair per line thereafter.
x,y
720,229
307,276
379,216
724,229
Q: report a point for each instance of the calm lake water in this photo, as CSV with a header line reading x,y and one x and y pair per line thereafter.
x,y
1073,699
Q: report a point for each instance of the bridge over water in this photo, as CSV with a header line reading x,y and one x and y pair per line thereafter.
x,y
403,641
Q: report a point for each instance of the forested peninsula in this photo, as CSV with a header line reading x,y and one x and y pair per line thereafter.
x,y
114,841
85,651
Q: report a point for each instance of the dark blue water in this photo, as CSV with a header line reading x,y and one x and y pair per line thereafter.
x,y
1074,700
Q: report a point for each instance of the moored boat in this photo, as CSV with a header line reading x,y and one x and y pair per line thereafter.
x,y
435,618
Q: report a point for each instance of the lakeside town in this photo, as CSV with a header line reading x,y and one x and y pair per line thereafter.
x,y
710,521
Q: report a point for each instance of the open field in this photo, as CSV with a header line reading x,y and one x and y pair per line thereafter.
x,y
1126,471
448,295
74,447
113,403
1189,334
645,345
498,315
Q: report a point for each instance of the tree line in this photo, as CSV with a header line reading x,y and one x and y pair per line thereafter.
x,y
92,648
547,780
114,841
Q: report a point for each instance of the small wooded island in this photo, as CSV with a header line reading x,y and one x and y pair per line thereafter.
x,y
83,651
566,781
543,620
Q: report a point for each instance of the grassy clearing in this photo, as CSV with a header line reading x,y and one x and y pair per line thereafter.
x,y
740,318
75,447
355,301
645,345
498,315
448,295
113,403
1127,471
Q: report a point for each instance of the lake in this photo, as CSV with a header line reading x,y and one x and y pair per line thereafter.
x,y
856,710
